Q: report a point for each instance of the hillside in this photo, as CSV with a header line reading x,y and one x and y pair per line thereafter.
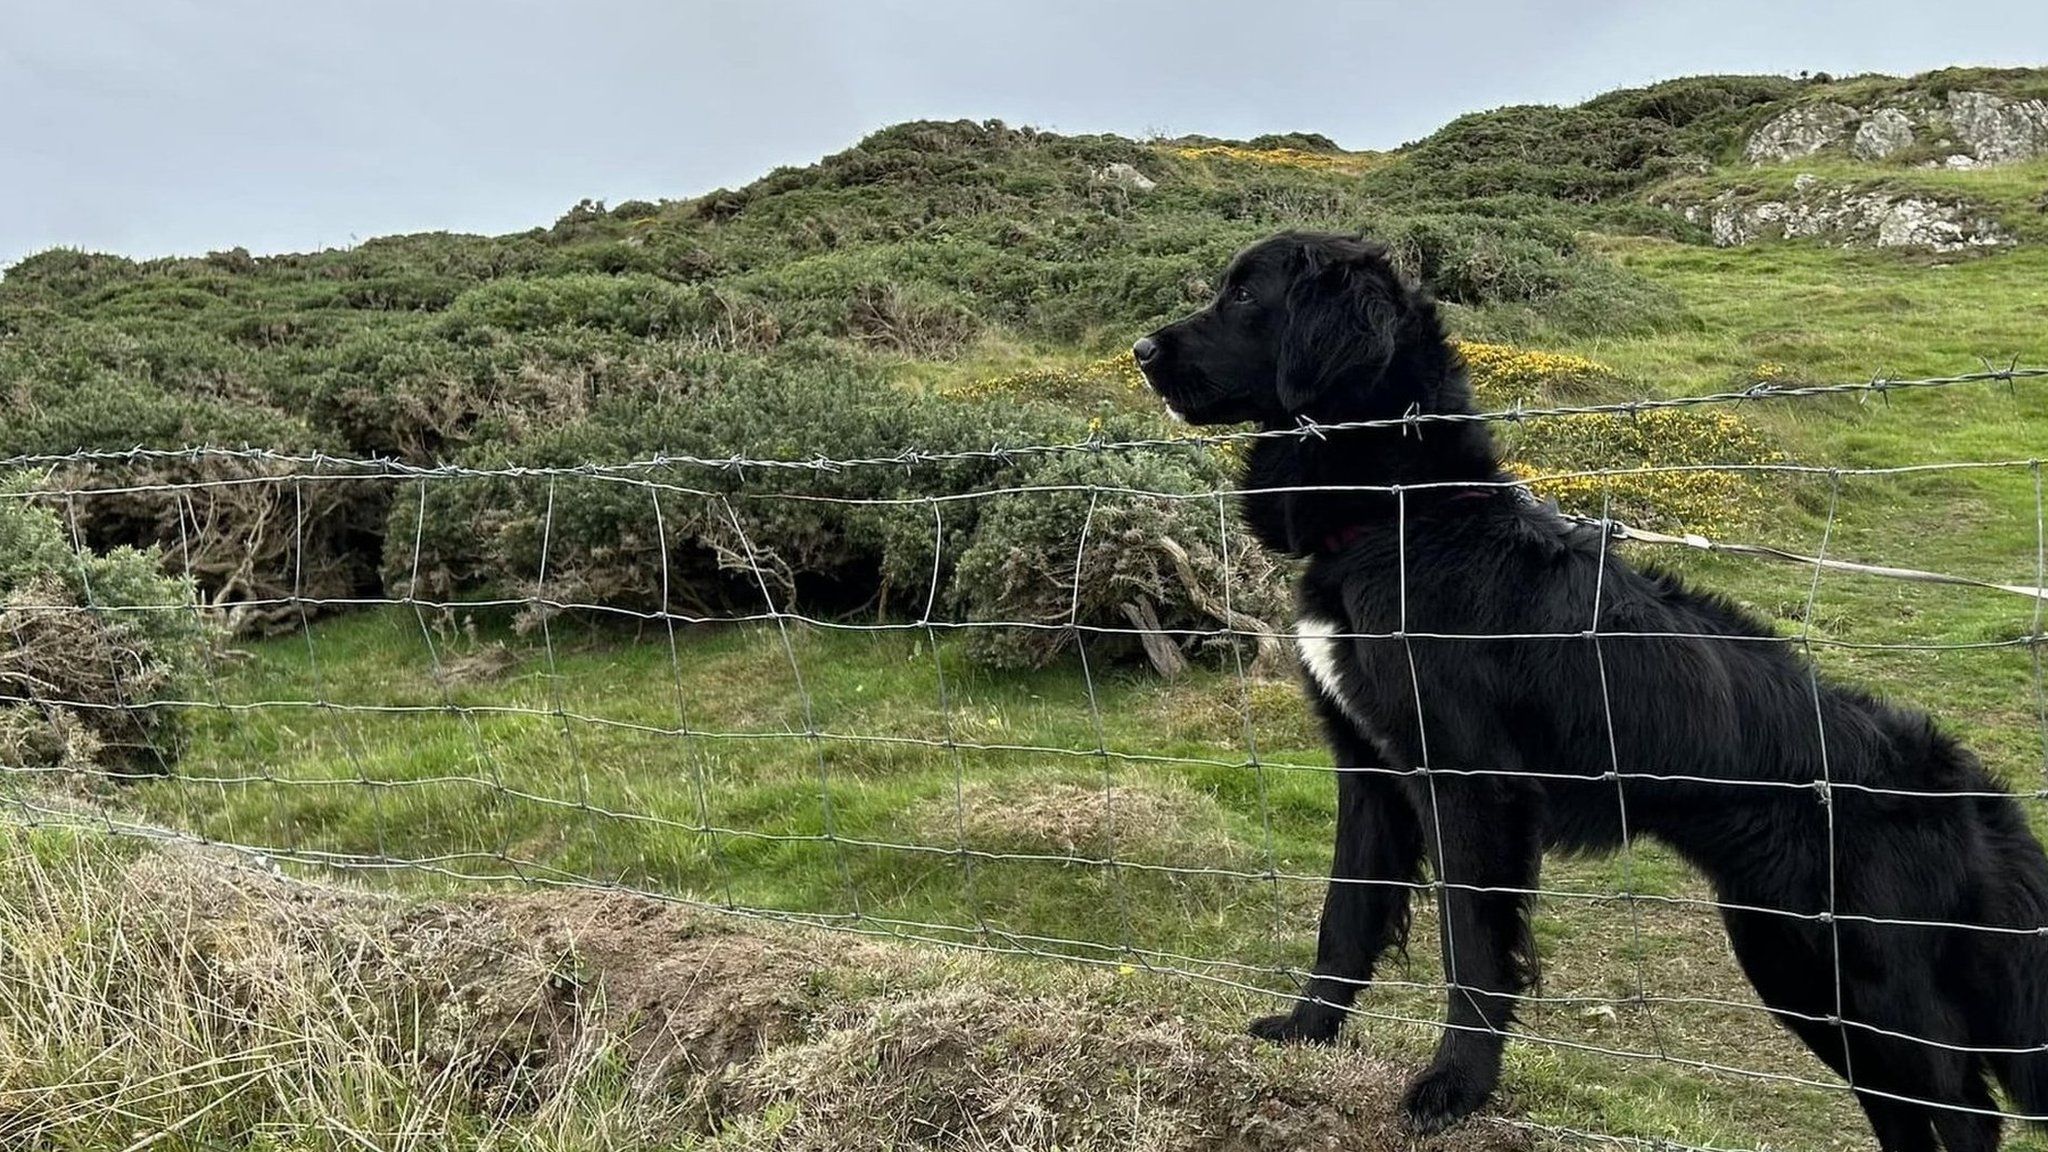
x,y
942,255
497,672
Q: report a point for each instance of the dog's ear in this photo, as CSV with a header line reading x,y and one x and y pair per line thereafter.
x,y
1342,320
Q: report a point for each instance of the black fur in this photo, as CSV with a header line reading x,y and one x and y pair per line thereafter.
x,y
1518,740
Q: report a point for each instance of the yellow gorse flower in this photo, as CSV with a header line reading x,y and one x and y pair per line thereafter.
x,y
1108,377
1503,375
1644,458
1350,162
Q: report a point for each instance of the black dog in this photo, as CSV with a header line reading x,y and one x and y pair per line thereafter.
x,y
1494,682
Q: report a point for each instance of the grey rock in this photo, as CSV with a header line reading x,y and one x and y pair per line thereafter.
x,y
1850,218
1983,126
1998,130
1125,176
1882,133
1800,131
1918,222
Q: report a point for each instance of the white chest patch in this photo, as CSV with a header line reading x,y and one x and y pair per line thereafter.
x,y
1327,658
1321,654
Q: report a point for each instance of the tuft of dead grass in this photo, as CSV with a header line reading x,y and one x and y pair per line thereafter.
x,y
186,1001
1157,820
960,1068
1196,713
481,665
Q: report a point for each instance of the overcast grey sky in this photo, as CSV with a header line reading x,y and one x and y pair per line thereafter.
x,y
151,127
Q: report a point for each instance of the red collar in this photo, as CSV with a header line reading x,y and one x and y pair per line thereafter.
x,y
1344,537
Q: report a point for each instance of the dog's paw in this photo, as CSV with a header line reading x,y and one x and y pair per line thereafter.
x,y
1295,1028
1441,1097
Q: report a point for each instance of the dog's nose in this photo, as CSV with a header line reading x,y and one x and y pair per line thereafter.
x,y
1144,350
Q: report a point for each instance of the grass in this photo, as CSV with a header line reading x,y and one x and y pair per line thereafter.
x,y
153,1002
1021,806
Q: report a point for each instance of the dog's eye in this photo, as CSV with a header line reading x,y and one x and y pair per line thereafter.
x,y
1240,295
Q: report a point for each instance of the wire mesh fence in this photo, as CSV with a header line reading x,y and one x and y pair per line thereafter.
x,y
667,697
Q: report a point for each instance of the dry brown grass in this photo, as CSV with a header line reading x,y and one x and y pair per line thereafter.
x,y
184,1001
1157,821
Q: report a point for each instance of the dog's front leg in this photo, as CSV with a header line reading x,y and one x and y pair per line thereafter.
x,y
1377,861
1485,846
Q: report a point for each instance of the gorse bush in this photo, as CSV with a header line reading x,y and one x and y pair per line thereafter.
x,y
1652,462
248,541
1503,376
1328,159
89,643
1102,542
1575,155
1706,104
1647,460
1111,379
726,529
633,304
877,541
1598,151
911,319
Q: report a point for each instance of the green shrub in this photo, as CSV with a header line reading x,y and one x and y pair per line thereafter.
x,y
855,539
661,327
62,275
634,305
910,318
400,391
1691,100
726,529
1474,260
239,526
88,641
1575,155
1083,553
1299,141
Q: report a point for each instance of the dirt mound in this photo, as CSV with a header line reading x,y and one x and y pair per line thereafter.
x,y
963,1068
693,995
782,1038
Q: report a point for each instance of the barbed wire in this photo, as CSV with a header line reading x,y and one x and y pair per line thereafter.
x,y
601,812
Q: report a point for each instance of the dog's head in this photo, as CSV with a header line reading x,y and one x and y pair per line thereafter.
x,y
1303,324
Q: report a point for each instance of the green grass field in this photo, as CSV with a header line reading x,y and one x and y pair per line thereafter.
x,y
603,755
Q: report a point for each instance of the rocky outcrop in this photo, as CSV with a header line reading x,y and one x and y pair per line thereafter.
x,y
1997,130
1882,133
1848,217
1978,128
1799,131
